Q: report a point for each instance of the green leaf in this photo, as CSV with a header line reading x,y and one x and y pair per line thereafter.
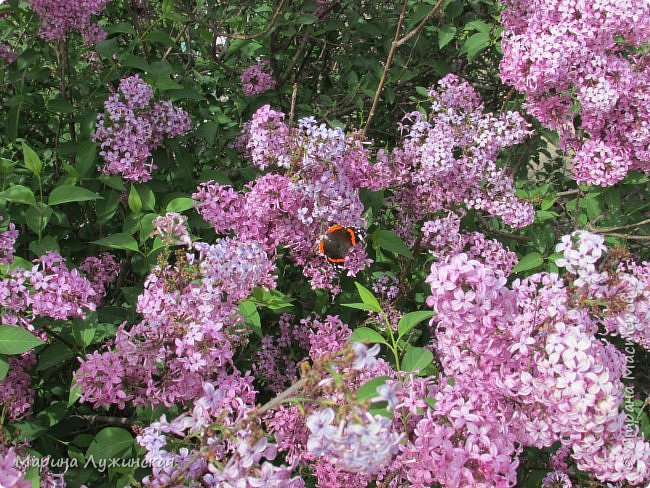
x,y
248,311
180,204
135,202
416,359
32,161
75,393
446,33
68,193
367,297
368,390
475,44
52,355
38,216
528,262
388,240
16,340
110,443
359,306
4,367
19,194
119,241
410,320
366,334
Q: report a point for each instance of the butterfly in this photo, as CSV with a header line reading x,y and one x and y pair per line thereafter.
x,y
337,242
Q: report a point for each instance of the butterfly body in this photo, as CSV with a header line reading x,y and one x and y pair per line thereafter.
x,y
337,242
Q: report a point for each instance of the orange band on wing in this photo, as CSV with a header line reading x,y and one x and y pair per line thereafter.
x,y
334,228
353,238
332,260
321,247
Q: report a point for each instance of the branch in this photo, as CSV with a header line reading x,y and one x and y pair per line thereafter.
x,y
621,227
502,233
419,27
627,236
389,60
103,419
282,396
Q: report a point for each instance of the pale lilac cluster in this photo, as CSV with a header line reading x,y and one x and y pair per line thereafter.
x,y
172,230
101,271
132,127
16,394
60,16
449,159
49,289
10,476
7,242
257,79
444,239
191,326
534,350
8,54
319,173
364,445
386,287
625,289
589,55
556,479
275,363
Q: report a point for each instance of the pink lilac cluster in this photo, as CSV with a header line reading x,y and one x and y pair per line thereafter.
x,y
444,239
535,352
276,362
190,325
172,229
8,54
101,271
16,394
132,127
448,158
257,79
16,459
49,289
7,242
60,16
585,59
556,479
317,174
625,289
187,449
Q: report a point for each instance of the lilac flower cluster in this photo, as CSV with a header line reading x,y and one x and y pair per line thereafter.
x,y
7,242
449,158
132,127
60,16
534,350
319,173
9,474
444,239
172,230
365,446
49,289
564,54
101,271
191,326
16,394
8,54
257,79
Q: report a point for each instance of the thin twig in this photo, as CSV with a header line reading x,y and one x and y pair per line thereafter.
x,y
104,419
419,27
502,233
389,60
178,38
627,236
268,27
621,227
282,396
294,96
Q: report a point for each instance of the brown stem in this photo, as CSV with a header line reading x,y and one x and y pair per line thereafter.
x,y
104,419
282,396
294,96
628,236
621,227
389,60
419,27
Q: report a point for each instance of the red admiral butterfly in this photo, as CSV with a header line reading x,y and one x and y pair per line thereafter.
x,y
337,242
